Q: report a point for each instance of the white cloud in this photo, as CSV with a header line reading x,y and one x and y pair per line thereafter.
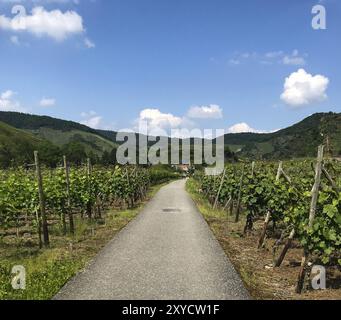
x,y
157,119
241,128
8,102
89,44
245,128
47,102
156,123
302,88
54,24
7,95
205,112
92,120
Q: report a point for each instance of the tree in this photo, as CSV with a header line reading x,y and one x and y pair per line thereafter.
x,y
105,159
50,154
74,152
113,158
94,158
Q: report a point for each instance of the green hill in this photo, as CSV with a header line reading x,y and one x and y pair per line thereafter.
x,y
299,140
60,132
17,146
54,137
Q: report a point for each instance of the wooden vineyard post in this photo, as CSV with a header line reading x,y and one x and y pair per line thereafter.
x,y
279,171
285,249
231,205
41,199
302,273
265,227
268,214
218,194
67,178
239,195
315,191
63,216
253,168
39,229
330,179
89,204
227,203
314,198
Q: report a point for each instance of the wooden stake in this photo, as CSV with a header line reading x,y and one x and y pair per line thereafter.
x,y
253,168
41,199
314,198
287,246
218,194
268,214
227,203
286,177
239,195
67,178
302,273
330,179
315,191
39,229
279,171
265,227
63,222
89,204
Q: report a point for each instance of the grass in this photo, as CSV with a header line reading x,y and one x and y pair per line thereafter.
x,y
254,265
47,270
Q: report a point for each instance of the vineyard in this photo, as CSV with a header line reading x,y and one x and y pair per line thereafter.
x,y
32,199
298,201
54,220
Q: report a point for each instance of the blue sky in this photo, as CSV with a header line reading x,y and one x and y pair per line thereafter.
x,y
176,63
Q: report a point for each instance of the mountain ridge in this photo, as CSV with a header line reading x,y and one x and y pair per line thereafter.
x,y
298,140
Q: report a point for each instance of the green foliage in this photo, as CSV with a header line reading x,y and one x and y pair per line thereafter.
x,y
162,173
19,190
16,146
288,203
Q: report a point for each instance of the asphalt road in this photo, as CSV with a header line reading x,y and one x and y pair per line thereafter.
x,y
167,252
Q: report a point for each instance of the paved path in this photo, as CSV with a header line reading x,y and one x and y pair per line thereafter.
x,y
167,252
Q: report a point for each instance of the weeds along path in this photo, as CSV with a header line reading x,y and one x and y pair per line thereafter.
x,y
167,252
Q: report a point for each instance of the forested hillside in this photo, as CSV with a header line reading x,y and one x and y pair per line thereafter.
x,y
299,140
54,137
